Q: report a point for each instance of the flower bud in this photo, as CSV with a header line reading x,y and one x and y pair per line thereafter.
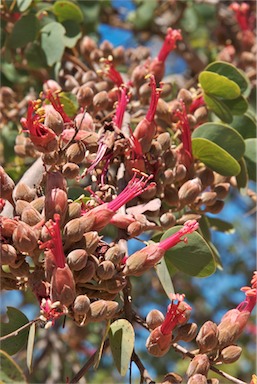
x,y
56,202
73,211
164,139
100,101
112,308
206,176
70,170
216,207
172,378
81,305
154,319
158,344
180,172
185,96
222,190
134,229
63,286
163,113
114,254
197,379
167,220
85,96
189,191
53,120
8,254
201,114
77,259
105,270
74,229
51,85
20,206
207,338
23,192
199,364
97,311
7,185
171,196
207,198
76,152
51,158
85,274
25,238
21,271
114,285
187,332
7,226
87,45
230,354
38,203
84,122
30,216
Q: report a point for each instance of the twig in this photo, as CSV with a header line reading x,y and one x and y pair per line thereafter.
x,y
15,333
185,352
76,61
145,377
88,364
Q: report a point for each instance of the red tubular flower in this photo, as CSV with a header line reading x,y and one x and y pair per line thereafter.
x,y
111,71
41,136
53,97
104,213
197,103
147,257
157,66
241,12
123,100
145,130
160,339
185,152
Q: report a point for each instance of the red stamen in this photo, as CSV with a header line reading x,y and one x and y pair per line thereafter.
x,y
55,243
123,100
175,316
169,43
54,99
111,72
156,92
184,125
241,11
189,227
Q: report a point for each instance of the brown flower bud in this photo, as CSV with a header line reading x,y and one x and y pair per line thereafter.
x,y
228,333
118,55
85,96
8,254
114,285
76,152
100,101
134,229
21,271
85,274
106,47
164,140
222,190
114,254
206,176
56,202
51,85
112,308
84,122
63,286
207,198
180,172
90,241
170,159
185,96
87,45
73,211
168,177
54,120
38,203
20,206
81,305
201,114
188,216
23,192
74,229
25,238
77,259
7,226
213,381
171,196
97,311
163,113
7,185
70,170
172,378
189,191
199,364
155,149
70,83
154,319
187,332
216,207
51,158
167,220
230,354
102,86
197,379
105,270
30,216
207,338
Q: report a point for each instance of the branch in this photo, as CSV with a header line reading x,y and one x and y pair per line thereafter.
x,y
145,377
76,61
17,331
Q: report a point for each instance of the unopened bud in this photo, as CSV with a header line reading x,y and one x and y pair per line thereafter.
x,y
73,211
90,241
171,196
162,111
51,85
54,120
77,259
97,311
21,271
81,305
25,238
199,364
222,190
197,379
230,354
201,114
168,176
8,254
30,216
100,100
207,338
70,170
23,192
76,152
85,274
207,198
7,185
206,176
154,319
155,149
63,286
167,220
114,254
84,122
189,191
164,139
216,207
87,45
172,378
20,206
8,226
112,309
180,172
114,285
38,203
74,229
85,96
187,332
170,159
185,96
105,270
134,229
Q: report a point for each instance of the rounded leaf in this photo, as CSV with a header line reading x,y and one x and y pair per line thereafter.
x,y
237,106
242,177
218,85
164,276
215,157
53,42
250,157
10,371
73,33
23,4
229,71
24,31
66,10
122,339
224,136
219,108
193,257
245,125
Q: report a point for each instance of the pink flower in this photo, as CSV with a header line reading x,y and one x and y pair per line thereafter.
x,y
145,130
111,71
147,257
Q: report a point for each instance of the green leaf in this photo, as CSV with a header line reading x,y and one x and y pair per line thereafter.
x,y
194,257
237,106
30,346
122,339
35,55
143,16
219,86
224,136
229,71
216,255
16,320
242,177
164,277
220,225
250,157
24,31
245,125
73,33
67,10
70,103
10,371
204,228
23,4
215,157
53,42
219,108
